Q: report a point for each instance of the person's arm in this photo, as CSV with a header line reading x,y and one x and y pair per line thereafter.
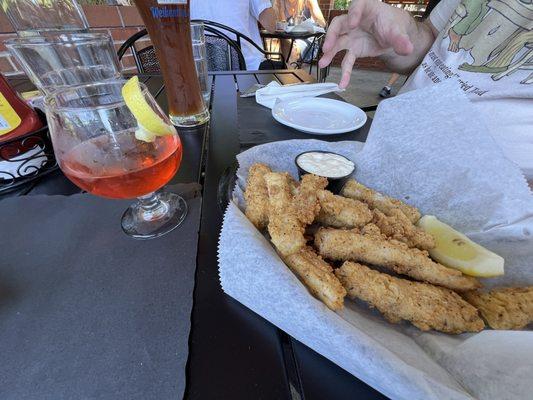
x,y
276,5
268,19
374,29
264,13
316,12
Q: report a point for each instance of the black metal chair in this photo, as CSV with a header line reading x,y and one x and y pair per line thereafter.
x,y
223,52
241,38
312,55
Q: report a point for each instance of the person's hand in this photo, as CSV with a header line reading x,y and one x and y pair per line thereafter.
x,y
370,29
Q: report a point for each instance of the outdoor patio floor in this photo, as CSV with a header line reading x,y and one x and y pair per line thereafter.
x,y
364,86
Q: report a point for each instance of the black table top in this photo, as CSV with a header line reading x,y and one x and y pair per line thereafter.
x,y
234,353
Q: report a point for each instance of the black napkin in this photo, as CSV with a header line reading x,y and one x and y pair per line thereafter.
x,y
87,312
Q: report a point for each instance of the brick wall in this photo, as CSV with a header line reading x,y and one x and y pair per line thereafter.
x,y
326,6
119,21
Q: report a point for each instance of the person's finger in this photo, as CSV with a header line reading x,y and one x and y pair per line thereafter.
x,y
325,60
343,43
396,39
402,45
355,13
336,28
346,68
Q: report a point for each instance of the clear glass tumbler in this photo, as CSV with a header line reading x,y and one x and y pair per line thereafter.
x,y
31,17
200,58
56,60
94,137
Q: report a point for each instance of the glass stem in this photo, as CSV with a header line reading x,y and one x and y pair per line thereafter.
x,y
151,207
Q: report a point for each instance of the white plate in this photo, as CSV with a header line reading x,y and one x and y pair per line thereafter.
x,y
319,116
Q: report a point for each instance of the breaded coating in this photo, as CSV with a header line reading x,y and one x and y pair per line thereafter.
x,y
424,305
256,195
318,276
350,245
505,308
342,212
398,227
285,229
305,200
371,230
385,204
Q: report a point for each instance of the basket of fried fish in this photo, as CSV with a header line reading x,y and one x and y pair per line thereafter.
x,y
367,246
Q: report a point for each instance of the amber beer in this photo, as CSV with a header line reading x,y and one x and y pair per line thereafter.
x,y
168,23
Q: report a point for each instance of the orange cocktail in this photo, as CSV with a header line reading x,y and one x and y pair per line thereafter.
x,y
145,168
113,140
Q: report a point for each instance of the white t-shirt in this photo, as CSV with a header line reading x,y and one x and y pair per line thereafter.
x,y
486,46
241,15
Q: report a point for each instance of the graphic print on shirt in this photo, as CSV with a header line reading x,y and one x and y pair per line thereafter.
x,y
497,34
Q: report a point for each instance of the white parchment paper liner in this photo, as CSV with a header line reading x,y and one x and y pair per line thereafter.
x,y
443,160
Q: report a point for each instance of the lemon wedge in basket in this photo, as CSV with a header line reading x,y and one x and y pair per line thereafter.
x,y
150,123
455,250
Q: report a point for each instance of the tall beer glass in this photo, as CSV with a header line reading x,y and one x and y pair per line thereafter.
x,y
168,23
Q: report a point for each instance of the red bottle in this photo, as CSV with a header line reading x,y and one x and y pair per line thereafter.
x,y
17,118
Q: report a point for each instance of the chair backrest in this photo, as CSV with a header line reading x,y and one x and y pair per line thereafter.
x,y
240,38
220,57
223,53
148,61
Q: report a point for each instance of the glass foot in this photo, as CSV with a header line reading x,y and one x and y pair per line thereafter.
x,y
154,215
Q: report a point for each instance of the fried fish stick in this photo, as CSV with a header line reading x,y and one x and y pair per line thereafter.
x,y
350,245
397,226
305,201
318,276
342,212
385,204
506,308
285,229
256,195
424,305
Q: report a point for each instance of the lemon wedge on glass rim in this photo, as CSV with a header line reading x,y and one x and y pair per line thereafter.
x,y
150,123
457,251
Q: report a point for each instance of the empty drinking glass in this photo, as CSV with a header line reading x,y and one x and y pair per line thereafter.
x,y
200,58
57,60
31,17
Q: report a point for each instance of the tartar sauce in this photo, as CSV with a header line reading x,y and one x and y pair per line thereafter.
x,y
329,165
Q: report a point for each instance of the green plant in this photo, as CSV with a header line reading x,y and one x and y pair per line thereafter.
x,y
341,4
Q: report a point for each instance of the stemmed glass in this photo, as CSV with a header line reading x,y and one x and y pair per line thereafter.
x,y
94,137
33,17
65,59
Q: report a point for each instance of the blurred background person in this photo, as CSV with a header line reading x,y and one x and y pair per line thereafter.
x,y
385,92
243,16
298,11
